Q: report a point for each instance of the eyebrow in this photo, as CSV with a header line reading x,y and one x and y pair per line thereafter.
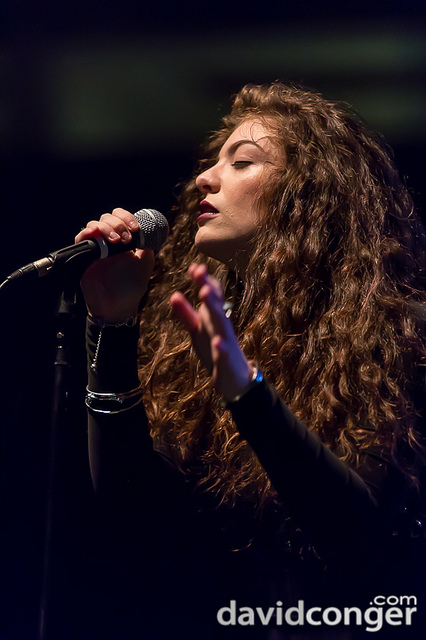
x,y
238,144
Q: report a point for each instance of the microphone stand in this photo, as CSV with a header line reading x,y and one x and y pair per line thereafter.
x,y
65,314
71,270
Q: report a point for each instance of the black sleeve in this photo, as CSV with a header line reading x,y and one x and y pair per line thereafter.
x,y
334,503
121,453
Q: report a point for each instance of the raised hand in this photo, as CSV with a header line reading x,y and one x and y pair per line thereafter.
x,y
213,336
114,287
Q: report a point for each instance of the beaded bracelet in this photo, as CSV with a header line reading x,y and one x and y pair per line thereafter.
x,y
100,322
256,378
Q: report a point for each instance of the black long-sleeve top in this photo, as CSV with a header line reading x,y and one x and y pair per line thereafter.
x,y
347,516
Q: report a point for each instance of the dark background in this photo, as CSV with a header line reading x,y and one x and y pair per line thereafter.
x,y
103,104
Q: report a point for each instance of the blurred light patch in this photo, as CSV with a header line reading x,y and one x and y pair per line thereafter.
x,y
119,96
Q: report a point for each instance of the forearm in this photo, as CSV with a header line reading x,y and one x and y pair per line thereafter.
x,y
122,458
329,499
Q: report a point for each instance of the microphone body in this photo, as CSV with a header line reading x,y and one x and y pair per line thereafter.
x,y
152,233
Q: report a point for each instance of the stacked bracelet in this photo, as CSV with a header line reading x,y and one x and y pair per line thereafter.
x,y
112,403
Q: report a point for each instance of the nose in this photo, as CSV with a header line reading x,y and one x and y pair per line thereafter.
x,y
208,181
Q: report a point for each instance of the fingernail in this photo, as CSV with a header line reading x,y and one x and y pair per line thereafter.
x,y
126,235
134,225
113,236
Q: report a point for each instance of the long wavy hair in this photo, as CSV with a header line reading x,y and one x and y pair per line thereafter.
x,y
331,307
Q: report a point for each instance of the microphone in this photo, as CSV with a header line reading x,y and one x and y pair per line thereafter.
x,y
152,233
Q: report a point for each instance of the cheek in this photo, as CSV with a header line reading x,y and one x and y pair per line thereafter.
x,y
250,203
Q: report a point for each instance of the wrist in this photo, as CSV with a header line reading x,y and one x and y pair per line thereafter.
x,y
256,376
112,355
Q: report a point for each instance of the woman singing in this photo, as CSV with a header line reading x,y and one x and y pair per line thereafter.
x,y
255,427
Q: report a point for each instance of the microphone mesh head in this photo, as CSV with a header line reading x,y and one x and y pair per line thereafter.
x,y
154,228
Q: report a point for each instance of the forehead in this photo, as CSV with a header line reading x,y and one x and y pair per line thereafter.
x,y
253,130
261,134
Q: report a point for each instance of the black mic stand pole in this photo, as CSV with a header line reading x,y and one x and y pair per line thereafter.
x,y
65,314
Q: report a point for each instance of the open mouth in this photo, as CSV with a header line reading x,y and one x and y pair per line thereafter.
x,y
206,207
207,211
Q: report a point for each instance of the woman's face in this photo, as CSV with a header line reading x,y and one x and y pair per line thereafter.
x,y
231,188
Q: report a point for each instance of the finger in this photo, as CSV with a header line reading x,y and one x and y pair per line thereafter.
x,y
213,300
115,226
184,312
200,276
215,321
98,228
198,273
210,289
127,217
218,349
212,295
118,225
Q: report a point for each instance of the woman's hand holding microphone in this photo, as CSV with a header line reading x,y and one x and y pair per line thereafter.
x,y
113,289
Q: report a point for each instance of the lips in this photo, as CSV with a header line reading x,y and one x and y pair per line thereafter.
x,y
206,207
207,211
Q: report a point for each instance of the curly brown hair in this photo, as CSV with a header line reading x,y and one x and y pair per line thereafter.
x,y
331,306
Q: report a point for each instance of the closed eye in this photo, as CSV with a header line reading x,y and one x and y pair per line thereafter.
x,y
240,164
